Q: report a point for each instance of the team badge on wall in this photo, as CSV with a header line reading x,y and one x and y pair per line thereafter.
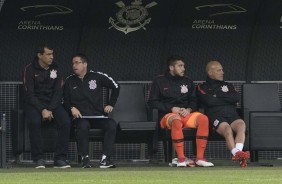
x,y
131,18
92,84
53,74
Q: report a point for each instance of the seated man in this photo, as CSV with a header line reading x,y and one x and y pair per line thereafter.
x,y
83,96
43,101
173,94
219,99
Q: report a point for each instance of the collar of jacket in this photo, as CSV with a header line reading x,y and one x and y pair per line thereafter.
x,y
37,65
213,82
171,77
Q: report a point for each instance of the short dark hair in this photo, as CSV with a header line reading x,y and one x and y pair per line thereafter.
x,y
171,60
82,56
40,48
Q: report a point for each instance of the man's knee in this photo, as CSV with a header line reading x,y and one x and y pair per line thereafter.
x,y
176,124
224,129
82,124
202,120
112,125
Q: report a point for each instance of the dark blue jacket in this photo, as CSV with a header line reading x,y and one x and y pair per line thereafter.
x,y
169,91
87,94
43,88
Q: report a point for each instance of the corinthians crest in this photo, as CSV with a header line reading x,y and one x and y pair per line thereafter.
x,y
131,18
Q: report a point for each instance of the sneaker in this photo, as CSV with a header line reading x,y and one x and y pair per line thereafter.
x,y
242,157
40,164
61,164
186,163
204,163
243,163
86,162
106,163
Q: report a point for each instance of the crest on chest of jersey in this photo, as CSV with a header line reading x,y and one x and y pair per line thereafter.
x,y
184,88
53,74
224,88
92,84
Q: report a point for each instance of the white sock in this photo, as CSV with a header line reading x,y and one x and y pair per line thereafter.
x,y
239,146
83,157
104,157
234,151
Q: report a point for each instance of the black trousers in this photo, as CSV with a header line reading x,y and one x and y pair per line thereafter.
x,y
108,126
61,118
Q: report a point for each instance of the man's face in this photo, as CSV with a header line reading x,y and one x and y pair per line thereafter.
x,y
178,69
216,72
46,59
79,68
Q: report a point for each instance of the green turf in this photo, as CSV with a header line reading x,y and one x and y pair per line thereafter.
x,y
147,175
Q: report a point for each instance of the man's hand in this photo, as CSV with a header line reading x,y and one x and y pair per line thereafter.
x,y
184,112
181,111
108,109
46,115
75,113
175,109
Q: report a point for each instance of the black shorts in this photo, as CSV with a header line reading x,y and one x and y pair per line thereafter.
x,y
215,122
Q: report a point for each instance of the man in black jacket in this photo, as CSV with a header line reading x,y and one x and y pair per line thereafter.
x,y
83,97
219,99
173,94
43,97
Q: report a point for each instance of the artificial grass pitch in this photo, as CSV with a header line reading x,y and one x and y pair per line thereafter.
x,y
147,175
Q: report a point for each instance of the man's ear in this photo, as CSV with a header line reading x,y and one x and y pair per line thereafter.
x,y
209,73
171,68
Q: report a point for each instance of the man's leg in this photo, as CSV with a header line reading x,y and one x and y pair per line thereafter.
x,y
239,127
199,121
173,121
225,130
202,135
109,126
34,120
82,136
63,125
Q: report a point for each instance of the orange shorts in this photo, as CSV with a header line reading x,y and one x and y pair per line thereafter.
x,y
187,122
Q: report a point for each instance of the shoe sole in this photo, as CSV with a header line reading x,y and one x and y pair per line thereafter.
x,y
40,167
62,167
108,166
198,165
87,166
204,165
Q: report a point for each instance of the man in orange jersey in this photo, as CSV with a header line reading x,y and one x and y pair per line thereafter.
x,y
173,94
219,99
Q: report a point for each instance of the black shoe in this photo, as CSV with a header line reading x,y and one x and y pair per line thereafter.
x,y
86,162
106,163
40,164
61,164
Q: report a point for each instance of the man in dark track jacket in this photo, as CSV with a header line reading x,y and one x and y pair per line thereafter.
x,y
43,101
173,94
83,96
219,99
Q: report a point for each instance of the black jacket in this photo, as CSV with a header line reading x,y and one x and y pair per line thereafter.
x,y
43,88
169,91
87,94
218,97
